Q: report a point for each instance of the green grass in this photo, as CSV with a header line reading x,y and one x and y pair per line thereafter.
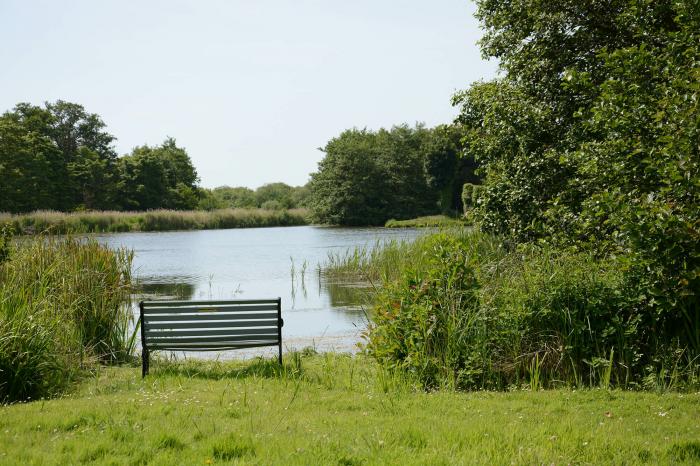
x,y
336,409
155,220
435,221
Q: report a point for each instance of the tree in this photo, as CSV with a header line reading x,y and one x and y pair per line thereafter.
x,y
84,175
25,160
369,177
158,177
590,141
446,167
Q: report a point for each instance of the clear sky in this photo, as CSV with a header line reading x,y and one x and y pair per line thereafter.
x,y
250,88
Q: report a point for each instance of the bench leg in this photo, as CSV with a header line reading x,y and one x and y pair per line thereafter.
x,y
144,363
280,353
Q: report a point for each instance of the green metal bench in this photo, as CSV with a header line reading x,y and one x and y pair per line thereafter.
x,y
209,326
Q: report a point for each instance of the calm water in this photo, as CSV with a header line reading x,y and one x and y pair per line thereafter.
x,y
261,263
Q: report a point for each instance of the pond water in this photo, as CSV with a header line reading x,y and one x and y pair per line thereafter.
x,y
261,263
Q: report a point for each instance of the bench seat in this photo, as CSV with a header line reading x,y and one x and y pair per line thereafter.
x,y
209,326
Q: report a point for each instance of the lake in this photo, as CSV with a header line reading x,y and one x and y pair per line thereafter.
x,y
261,263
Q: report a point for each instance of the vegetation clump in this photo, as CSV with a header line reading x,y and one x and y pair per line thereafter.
x,y
64,306
466,310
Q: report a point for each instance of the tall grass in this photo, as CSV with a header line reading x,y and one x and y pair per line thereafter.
x,y
64,305
154,220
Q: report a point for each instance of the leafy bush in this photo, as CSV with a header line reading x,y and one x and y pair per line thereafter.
x,y
472,314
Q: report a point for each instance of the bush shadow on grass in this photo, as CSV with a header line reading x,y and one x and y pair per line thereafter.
x,y
220,370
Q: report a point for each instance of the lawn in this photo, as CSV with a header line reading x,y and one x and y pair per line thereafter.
x,y
337,409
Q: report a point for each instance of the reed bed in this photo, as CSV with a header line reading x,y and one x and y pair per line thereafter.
x,y
383,262
64,307
155,220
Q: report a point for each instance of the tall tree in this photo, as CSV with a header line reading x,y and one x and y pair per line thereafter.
x,y
158,177
368,177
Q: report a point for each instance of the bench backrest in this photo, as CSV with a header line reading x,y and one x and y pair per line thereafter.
x,y
210,325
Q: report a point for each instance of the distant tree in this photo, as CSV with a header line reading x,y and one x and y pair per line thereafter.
x,y
84,174
447,167
158,177
239,197
280,193
369,177
26,162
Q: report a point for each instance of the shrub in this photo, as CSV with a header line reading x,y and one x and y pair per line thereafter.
x,y
473,314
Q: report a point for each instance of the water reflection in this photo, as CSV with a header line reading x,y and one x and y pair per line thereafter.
x,y
347,295
166,290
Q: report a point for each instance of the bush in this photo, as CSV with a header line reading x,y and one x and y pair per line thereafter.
x,y
472,314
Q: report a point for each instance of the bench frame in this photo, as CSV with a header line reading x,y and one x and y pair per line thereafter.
x,y
209,323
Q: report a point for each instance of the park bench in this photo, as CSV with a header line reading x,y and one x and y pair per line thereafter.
x,y
209,326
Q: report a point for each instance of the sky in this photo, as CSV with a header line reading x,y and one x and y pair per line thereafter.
x,y
251,89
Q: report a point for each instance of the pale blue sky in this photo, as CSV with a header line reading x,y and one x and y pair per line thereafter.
x,y
250,88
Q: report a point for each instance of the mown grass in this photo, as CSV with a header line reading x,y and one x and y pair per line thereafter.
x,y
154,220
337,409
434,221
64,307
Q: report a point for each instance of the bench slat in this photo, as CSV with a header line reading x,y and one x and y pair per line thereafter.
x,y
207,316
207,309
204,347
151,304
211,324
273,339
150,336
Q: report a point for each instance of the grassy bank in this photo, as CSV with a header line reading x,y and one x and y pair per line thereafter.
x,y
461,309
334,409
63,309
155,220
434,221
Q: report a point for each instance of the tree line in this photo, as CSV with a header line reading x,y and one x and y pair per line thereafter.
x,y
368,177
60,157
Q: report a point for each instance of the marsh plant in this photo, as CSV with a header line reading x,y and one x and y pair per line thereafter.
x,y
64,307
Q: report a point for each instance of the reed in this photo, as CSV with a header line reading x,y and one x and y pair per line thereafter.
x,y
64,306
155,220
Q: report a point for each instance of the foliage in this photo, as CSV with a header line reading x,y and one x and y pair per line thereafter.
x,y
158,177
589,142
57,156
446,166
272,196
64,305
368,177
461,310
60,157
